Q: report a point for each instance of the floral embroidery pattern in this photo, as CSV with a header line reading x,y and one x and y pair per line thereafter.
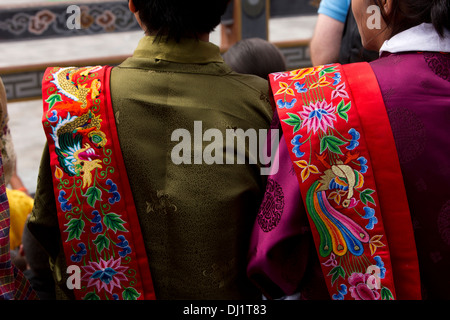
x,y
104,275
328,152
319,115
92,218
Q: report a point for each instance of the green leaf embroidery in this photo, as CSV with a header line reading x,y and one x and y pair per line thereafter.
x,y
101,242
331,143
112,221
93,195
54,98
386,294
130,294
91,296
294,121
365,196
343,109
75,229
327,70
336,272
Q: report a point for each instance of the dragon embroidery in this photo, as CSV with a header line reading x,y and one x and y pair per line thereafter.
x,y
78,136
63,80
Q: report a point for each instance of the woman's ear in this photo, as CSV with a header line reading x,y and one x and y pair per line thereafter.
x,y
387,7
131,6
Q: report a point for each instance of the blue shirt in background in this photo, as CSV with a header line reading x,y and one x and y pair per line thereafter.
x,y
336,9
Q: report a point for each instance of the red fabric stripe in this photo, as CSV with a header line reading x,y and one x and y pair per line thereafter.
x,y
141,255
388,177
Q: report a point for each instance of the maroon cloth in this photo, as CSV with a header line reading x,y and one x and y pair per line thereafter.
x,y
416,91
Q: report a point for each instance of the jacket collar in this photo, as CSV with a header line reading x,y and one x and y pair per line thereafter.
x,y
186,51
421,38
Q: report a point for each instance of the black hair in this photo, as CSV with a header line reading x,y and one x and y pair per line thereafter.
x,y
406,14
255,56
180,18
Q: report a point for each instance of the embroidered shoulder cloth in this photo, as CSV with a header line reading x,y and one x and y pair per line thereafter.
x,y
96,213
338,134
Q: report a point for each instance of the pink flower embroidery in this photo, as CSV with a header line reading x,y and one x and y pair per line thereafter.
x,y
360,288
278,75
104,275
319,115
340,92
331,262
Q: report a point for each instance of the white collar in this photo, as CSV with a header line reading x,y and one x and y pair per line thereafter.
x,y
423,37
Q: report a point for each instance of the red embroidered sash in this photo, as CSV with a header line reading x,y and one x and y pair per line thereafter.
x,y
96,212
336,127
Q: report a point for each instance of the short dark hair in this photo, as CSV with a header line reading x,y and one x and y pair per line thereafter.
x,y
410,13
180,18
255,56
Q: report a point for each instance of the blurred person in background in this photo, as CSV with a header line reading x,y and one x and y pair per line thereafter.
x,y
255,56
13,284
336,37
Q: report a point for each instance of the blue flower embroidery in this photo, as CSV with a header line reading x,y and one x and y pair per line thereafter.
x,y
363,162
124,245
80,253
296,143
65,206
355,137
342,292
284,104
370,215
300,87
105,275
318,113
98,222
54,116
113,189
380,264
336,78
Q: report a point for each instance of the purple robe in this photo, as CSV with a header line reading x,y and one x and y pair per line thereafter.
x,y
416,90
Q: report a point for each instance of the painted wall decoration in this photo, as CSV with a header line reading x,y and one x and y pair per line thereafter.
x,y
25,23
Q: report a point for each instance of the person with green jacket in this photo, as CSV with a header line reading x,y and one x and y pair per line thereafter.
x,y
194,215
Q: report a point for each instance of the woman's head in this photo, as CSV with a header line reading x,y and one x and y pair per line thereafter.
x,y
179,18
396,16
255,56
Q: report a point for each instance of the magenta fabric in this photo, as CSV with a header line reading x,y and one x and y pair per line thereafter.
x,y
416,91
